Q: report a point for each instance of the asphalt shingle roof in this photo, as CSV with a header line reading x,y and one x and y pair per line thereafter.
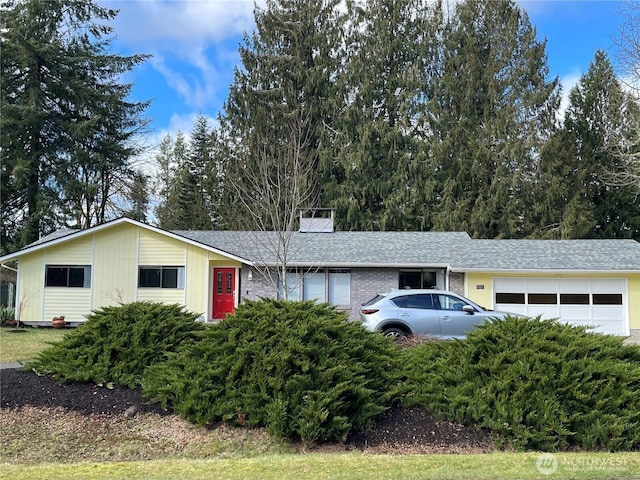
x,y
455,249
571,255
339,248
409,249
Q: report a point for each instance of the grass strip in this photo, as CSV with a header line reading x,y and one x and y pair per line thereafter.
x,y
27,343
349,466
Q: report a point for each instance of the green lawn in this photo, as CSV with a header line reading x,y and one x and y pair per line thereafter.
x,y
346,466
18,347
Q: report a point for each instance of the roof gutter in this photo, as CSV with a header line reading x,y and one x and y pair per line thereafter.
x,y
356,265
553,271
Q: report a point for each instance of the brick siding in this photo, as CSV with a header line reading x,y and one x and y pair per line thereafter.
x,y
365,284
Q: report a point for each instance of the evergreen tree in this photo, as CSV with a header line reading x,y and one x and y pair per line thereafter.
x,y
626,145
281,103
491,111
201,178
381,182
597,113
166,210
66,123
178,186
138,197
188,181
562,209
277,121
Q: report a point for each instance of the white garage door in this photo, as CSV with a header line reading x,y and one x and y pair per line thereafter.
x,y
601,304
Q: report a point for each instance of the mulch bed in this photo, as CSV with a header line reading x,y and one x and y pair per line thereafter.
x,y
402,430
19,388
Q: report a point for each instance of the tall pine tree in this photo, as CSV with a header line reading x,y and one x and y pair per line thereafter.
x,y
492,110
165,183
66,122
380,153
200,177
586,206
279,112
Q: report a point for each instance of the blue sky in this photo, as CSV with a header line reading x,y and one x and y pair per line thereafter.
x,y
194,45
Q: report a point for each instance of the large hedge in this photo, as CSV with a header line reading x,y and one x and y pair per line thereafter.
x,y
535,384
298,368
116,344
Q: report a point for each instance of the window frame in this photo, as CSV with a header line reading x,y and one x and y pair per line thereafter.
x,y
559,299
609,299
162,279
68,276
298,289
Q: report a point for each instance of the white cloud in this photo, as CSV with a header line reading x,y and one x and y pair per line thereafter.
x,y
197,83
178,22
193,43
568,82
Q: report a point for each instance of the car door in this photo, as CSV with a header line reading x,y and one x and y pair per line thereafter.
x,y
418,312
454,321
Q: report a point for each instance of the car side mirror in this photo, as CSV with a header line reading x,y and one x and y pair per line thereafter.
x,y
468,309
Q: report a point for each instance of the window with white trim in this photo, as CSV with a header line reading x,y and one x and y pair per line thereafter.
x,y
161,277
332,286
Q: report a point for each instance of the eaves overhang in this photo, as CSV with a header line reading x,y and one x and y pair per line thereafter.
x,y
75,234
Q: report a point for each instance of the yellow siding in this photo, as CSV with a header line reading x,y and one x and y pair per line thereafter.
x,y
220,261
485,297
197,281
73,252
634,301
115,270
114,255
482,296
164,295
158,250
30,288
73,303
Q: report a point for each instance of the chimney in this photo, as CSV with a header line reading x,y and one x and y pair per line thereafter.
x,y
316,220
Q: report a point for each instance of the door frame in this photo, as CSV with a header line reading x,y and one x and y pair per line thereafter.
x,y
236,288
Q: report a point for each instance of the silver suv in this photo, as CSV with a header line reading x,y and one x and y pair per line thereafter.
x,y
436,313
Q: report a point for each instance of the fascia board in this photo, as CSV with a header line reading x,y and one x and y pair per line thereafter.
x,y
104,226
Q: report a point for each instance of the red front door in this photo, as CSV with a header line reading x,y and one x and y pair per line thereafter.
x,y
224,297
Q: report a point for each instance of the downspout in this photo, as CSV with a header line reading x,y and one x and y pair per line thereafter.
x,y
446,278
3,265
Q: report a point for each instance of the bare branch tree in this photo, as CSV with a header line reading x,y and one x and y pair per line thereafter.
x,y
627,151
275,180
626,144
628,44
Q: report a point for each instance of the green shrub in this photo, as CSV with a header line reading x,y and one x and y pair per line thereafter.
x,y
6,315
535,384
117,344
298,368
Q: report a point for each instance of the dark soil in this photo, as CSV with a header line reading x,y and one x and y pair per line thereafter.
x,y
18,388
397,430
419,431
